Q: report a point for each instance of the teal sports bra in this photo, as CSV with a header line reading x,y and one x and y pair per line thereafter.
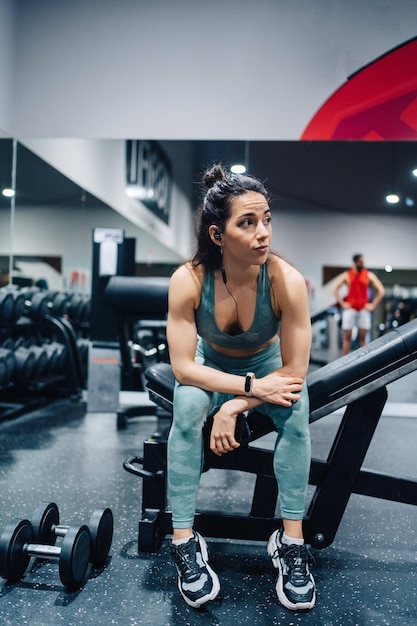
x,y
265,324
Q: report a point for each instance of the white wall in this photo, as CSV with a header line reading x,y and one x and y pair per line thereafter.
x,y
159,69
99,166
67,233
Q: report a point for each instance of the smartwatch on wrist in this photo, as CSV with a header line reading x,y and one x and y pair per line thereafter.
x,y
248,383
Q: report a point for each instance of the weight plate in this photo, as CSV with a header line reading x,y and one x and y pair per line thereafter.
x,y
6,306
10,366
75,307
60,356
41,360
3,371
38,306
7,361
24,364
75,556
101,531
20,342
44,518
18,305
60,304
52,356
13,557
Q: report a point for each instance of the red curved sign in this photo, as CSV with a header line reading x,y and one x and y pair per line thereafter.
x,y
379,102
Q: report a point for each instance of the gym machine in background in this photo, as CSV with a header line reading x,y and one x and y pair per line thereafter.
x,y
141,323
127,334
113,255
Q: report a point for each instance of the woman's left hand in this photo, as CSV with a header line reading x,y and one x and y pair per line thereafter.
x,y
222,438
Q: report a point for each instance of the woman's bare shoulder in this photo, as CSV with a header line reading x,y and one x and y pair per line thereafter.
x,y
279,269
187,280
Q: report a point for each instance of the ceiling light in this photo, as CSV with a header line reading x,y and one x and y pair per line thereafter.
x,y
392,198
7,192
388,268
415,171
136,191
409,201
238,168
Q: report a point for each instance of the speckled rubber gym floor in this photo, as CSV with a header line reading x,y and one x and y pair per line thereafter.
x,y
62,454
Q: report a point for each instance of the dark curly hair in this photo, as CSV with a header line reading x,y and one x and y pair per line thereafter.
x,y
221,188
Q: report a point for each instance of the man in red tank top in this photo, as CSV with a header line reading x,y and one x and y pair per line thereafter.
x,y
356,306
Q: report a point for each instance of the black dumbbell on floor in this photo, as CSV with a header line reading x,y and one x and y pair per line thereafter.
x,y
17,546
46,526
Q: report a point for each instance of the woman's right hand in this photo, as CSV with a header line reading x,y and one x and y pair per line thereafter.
x,y
278,388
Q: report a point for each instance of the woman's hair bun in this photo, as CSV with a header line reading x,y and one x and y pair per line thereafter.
x,y
214,174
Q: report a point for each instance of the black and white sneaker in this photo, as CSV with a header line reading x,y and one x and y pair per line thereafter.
x,y
295,586
196,580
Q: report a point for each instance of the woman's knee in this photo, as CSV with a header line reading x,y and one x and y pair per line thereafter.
x,y
191,406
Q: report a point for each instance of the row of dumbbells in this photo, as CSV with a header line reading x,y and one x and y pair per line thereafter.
x,y
36,538
23,360
35,303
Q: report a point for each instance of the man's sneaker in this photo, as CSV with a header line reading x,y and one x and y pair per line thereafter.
x,y
295,586
196,580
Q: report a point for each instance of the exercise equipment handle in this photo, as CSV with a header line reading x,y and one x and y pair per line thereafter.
x,y
129,466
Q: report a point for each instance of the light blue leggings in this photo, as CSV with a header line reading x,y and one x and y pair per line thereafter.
x,y
292,452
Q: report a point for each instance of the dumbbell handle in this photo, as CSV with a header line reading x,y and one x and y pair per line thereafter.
x,y
39,550
59,530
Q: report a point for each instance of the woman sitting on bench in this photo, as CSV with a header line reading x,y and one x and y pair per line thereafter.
x,y
239,337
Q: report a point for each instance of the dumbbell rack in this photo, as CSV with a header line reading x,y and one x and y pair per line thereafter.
x,y
19,396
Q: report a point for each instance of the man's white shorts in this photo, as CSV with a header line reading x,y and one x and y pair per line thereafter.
x,y
351,318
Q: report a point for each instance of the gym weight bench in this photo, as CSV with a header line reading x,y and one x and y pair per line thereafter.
x,y
356,381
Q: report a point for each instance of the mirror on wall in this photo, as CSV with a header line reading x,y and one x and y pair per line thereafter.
x,y
55,216
7,172
45,237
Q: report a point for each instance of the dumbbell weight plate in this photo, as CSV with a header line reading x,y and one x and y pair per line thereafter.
x,y
24,364
7,356
85,310
3,369
52,356
45,516
75,307
101,531
41,360
20,342
75,556
4,366
6,305
60,304
60,356
18,305
13,558
38,306
8,343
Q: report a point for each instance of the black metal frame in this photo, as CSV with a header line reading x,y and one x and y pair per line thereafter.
x,y
336,479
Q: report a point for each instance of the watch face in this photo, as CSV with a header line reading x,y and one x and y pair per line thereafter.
x,y
248,382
